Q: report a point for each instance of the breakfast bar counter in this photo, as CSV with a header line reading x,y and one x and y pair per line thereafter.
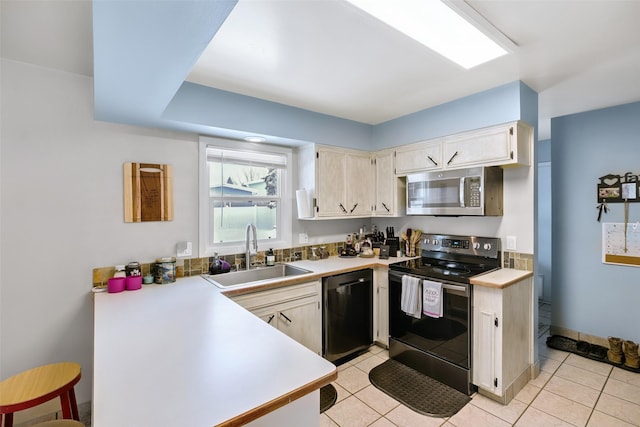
x,y
183,354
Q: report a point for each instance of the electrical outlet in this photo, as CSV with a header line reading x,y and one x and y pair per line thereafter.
x,y
303,238
511,243
184,249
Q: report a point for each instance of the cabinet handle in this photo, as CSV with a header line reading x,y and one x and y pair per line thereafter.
x,y
286,318
271,318
353,208
342,207
495,322
452,157
495,382
385,206
433,161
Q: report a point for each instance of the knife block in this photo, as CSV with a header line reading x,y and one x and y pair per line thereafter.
x,y
394,245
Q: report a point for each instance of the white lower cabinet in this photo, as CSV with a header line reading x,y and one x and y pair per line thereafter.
x,y
294,310
381,306
502,339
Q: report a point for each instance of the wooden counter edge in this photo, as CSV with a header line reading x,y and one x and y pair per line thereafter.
x,y
279,402
478,281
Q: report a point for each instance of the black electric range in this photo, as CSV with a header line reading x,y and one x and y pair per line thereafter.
x,y
439,346
453,258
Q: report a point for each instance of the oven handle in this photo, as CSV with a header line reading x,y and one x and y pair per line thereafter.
x,y
459,288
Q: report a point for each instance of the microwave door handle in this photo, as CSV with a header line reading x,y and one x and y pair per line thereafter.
x,y
462,192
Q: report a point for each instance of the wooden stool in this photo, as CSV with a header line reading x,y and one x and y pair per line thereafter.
x,y
60,423
38,385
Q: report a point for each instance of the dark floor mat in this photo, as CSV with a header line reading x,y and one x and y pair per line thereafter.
x,y
419,392
328,396
585,349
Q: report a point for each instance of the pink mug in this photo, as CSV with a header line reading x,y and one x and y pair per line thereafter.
x,y
133,283
115,284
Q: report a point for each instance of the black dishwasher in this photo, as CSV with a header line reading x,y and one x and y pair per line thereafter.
x,y
347,317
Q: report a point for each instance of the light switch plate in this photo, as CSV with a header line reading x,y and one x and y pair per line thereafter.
x,y
511,243
303,238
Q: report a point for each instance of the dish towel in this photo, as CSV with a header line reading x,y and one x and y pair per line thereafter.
x,y
410,301
432,298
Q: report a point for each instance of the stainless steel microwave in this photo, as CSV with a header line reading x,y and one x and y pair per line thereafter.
x,y
473,191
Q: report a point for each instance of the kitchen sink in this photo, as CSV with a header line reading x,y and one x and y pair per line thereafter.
x,y
260,274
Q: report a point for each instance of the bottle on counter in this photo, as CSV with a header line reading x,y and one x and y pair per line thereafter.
x,y
271,257
120,271
216,265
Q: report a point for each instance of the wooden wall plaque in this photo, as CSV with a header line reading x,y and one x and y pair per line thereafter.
x,y
148,192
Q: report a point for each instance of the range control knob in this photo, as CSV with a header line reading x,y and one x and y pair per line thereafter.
x,y
476,245
487,246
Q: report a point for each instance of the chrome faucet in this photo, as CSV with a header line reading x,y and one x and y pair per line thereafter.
x,y
248,252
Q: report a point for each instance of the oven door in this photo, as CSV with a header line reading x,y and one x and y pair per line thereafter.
x,y
447,337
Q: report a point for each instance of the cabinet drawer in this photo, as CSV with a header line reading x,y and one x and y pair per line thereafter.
x,y
255,300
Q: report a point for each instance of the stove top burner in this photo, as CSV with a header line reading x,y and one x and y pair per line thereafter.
x,y
454,258
443,269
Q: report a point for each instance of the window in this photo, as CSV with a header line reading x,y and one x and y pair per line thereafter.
x,y
243,183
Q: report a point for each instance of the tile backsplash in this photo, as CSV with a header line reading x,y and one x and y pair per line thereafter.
x,y
195,266
519,261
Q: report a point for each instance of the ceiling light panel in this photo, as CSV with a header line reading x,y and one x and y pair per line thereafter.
x,y
436,26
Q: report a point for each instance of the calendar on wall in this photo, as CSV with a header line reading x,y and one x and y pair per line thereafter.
x,y
621,244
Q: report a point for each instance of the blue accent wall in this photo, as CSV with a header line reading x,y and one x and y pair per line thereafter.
x,y
589,296
488,108
221,109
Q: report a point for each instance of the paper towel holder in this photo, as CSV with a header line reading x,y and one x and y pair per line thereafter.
x,y
304,207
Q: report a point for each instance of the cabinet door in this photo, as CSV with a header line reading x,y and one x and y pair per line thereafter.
x,y
486,147
419,157
359,184
302,321
381,306
385,185
484,374
330,179
487,339
268,315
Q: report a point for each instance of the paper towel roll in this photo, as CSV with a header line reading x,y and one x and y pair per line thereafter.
x,y
304,210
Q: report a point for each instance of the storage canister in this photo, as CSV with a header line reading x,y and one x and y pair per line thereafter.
x,y
165,270
133,269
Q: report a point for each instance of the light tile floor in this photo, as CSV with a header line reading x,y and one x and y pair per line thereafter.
x,y
570,391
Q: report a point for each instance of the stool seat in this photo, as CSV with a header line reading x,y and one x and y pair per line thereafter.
x,y
60,423
38,385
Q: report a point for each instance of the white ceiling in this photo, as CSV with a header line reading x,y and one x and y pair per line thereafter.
x,y
327,56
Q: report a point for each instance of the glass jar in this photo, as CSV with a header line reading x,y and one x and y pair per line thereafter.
x,y
133,269
165,270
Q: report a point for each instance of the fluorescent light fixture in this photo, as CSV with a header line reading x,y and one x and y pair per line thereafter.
x,y
452,34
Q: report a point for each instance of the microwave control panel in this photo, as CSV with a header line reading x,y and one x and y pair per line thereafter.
x,y
472,192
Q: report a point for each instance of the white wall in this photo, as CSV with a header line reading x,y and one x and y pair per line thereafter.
x,y
62,213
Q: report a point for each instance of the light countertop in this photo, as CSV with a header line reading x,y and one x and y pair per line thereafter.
x,y
500,278
183,354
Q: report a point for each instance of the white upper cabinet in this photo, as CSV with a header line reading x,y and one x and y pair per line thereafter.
x,y
422,156
502,145
360,183
346,183
341,181
331,178
389,189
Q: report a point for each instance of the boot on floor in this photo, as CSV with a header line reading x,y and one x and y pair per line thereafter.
x,y
614,354
631,358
